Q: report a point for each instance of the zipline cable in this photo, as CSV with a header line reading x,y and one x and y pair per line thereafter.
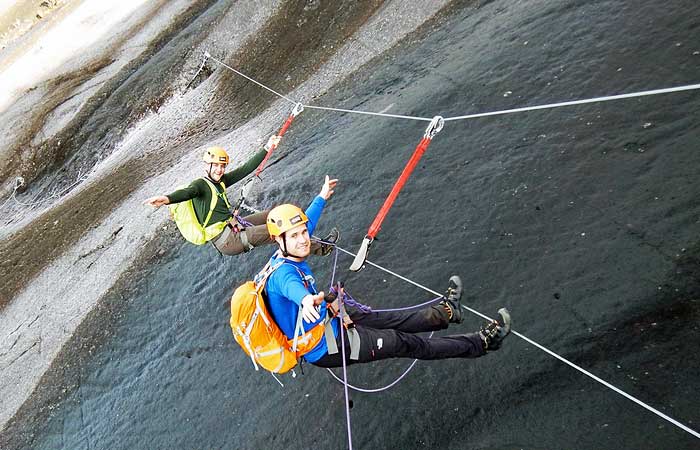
x,y
689,87
207,55
324,108
355,111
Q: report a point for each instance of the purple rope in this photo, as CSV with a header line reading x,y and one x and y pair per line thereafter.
x,y
342,345
364,308
367,309
388,386
345,367
420,305
349,300
242,221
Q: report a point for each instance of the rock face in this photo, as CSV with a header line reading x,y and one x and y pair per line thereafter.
x,y
583,221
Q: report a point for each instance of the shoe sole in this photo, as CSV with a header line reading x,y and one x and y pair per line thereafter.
x,y
505,316
454,279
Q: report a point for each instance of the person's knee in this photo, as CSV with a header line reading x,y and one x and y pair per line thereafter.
x,y
245,241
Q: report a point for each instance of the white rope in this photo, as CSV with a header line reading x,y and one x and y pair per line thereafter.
x,y
51,196
689,87
19,181
355,111
560,358
207,55
580,102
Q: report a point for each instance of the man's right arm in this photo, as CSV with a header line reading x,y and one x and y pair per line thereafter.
x,y
193,190
290,285
187,193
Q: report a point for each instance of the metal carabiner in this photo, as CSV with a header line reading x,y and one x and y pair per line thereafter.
x,y
435,126
298,108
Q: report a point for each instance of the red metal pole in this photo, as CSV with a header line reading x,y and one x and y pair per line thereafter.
x,y
298,108
283,130
361,257
384,210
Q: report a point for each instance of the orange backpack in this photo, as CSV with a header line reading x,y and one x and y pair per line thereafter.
x,y
258,334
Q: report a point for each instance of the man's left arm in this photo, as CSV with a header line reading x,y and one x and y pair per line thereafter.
x,y
246,169
313,212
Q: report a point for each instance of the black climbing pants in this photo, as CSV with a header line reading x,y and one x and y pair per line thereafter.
x,y
390,335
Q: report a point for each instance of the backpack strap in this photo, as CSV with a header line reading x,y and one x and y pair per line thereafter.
x,y
353,335
299,328
223,195
262,277
214,198
329,336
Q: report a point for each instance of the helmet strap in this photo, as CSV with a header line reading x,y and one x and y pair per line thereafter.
x,y
285,253
211,166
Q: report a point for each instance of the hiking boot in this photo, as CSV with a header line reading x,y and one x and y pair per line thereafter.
x,y
452,297
493,333
332,238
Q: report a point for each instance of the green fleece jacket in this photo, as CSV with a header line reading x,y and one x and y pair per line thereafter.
x,y
200,194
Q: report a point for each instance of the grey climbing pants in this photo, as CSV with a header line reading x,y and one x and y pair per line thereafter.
x,y
231,242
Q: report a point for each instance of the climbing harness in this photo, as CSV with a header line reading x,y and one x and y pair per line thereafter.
x,y
434,128
348,300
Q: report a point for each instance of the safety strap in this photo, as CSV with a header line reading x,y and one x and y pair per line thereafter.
x,y
214,196
247,246
298,108
434,128
330,339
353,336
298,331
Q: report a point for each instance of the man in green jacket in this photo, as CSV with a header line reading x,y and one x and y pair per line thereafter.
x,y
229,233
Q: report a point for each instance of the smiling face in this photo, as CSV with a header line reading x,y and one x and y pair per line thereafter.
x,y
296,242
216,171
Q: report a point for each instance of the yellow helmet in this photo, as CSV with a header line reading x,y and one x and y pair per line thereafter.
x,y
215,155
283,218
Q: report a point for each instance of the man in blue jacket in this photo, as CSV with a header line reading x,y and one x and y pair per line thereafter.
x,y
291,291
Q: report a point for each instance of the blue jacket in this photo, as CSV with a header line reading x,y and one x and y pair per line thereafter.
x,y
285,288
